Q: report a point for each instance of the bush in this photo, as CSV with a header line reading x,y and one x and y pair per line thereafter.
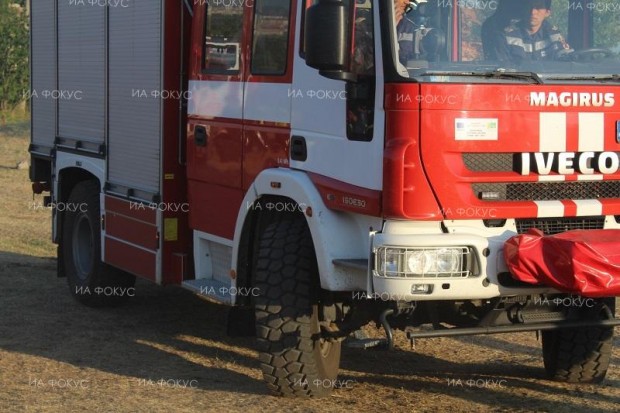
x,y
14,52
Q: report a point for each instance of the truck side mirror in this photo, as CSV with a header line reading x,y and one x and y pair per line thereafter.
x,y
328,38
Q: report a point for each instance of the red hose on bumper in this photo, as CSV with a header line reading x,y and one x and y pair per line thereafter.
x,y
584,262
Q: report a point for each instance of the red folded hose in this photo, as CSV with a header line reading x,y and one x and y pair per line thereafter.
x,y
584,262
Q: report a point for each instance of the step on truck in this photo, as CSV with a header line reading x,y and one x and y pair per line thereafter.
x,y
317,165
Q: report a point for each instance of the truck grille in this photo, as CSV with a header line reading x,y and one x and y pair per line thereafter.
x,y
492,162
550,191
551,226
489,162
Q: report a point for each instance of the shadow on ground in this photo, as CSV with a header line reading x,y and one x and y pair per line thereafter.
x,y
169,333
161,333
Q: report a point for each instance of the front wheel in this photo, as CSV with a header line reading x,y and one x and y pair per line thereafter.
x,y
295,359
91,281
580,355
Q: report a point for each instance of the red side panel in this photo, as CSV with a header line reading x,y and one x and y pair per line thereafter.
x,y
580,262
131,259
214,208
406,190
131,230
346,197
219,161
265,145
131,237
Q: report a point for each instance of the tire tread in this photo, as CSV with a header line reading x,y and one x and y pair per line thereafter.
x,y
285,269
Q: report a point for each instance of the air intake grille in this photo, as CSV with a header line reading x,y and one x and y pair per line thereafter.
x,y
551,226
550,191
489,162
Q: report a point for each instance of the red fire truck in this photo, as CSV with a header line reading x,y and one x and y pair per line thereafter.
x,y
320,164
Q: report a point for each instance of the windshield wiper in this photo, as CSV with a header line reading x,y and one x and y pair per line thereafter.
x,y
597,78
496,74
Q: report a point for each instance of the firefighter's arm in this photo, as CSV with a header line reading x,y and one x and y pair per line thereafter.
x,y
501,49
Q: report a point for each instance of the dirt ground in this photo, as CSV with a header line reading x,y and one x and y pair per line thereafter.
x,y
167,351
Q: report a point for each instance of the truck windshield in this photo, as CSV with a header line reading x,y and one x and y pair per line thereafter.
x,y
536,41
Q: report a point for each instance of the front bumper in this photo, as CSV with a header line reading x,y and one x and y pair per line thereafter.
x,y
487,249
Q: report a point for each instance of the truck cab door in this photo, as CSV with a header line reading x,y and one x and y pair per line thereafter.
x,y
342,122
215,117
267,98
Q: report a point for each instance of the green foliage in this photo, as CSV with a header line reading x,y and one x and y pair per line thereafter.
x,y
226,25
607,30
605,23
14,52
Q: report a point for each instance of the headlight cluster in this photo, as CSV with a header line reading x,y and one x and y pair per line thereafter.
x,y
423,262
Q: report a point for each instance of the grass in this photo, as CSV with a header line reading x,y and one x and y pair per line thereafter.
x,y
25,228
15,123
16,129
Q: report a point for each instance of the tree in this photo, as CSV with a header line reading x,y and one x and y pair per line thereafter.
x,y
605,20
14,53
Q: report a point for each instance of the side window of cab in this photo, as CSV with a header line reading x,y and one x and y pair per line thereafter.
x,y
222,39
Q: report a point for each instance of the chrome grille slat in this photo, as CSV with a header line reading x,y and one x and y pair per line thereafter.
x,y
551,191
493,161
552,226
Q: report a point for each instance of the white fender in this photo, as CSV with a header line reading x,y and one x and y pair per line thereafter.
x,y
336,235
93,165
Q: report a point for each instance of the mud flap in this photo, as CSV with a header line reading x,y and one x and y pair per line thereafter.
x,y
584,262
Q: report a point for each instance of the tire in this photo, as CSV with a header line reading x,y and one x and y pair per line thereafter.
x,y
580,355
295,360
91,282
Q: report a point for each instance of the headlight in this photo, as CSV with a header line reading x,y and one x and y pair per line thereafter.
x,y
423,262
448,260
391,261
419,262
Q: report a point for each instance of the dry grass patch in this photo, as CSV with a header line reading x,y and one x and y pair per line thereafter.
x,y
25,226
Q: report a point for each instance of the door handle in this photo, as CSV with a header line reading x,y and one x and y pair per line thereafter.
x,y
299,150
200,136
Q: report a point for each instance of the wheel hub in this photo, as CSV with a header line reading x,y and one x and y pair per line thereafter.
x,y
82,247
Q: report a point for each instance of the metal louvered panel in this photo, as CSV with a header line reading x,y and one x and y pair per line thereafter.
x,y
221,258
551,226
550,191
135,59
81,71
43,72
